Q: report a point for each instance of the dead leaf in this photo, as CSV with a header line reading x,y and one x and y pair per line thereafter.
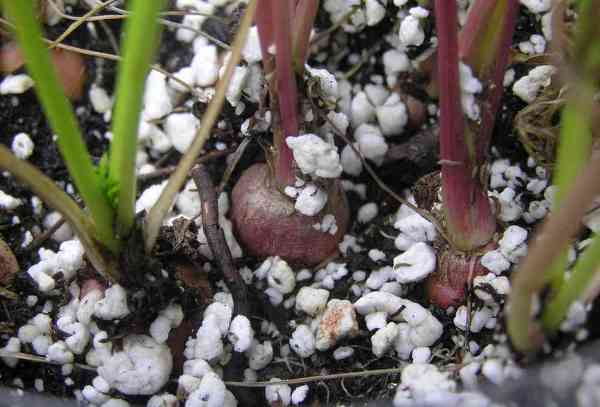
x,y
8,264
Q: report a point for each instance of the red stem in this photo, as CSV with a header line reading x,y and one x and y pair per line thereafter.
x,y
484,44
287,93
479,17
275,20
306,12
469,217
265,24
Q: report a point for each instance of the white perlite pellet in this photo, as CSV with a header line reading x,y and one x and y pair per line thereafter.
x,y
15,84
528,87
315,156
22,146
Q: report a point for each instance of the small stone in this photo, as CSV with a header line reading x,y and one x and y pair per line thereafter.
x,y
338,322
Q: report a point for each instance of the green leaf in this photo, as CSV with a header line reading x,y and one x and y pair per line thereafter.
x,y
141,37
109,185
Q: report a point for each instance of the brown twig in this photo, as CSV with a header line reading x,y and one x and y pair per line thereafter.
x,y
325,33
216,239
80,21
235,159
319,378
222,255
112,40
173,24
161,172
41,238
40,359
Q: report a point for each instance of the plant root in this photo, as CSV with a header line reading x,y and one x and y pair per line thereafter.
x,y
216,240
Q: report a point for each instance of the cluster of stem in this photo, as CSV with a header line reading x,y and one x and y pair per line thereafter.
x,y
285,27
484,45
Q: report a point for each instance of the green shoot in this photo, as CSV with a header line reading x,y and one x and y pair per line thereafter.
x,y
178,178
573,151
141,39
62,120
576,134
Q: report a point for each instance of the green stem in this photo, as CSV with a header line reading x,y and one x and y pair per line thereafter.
x,y
140,41
58,200
577,186
582,275
177,179
62,120
575,143
556,233
573,151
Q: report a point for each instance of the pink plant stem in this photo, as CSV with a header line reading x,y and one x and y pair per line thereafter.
x,y
491,108
306,12
265,24
479,16
494,21
287,92
469,217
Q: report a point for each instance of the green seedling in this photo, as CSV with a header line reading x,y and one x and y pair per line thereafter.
x,y
110,189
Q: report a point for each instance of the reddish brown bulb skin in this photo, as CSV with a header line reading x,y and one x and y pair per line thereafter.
x,y
267,224
69,65
447,287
